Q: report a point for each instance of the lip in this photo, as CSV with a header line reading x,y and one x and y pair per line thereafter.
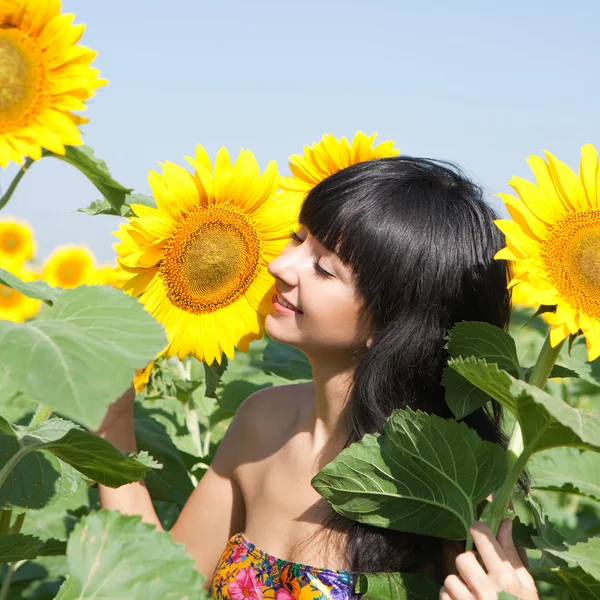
x,y
281,308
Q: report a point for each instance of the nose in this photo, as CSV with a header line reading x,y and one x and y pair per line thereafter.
x,y
282,268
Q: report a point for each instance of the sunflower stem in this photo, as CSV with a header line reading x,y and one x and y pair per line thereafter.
x,y
191,414
13,185
517,455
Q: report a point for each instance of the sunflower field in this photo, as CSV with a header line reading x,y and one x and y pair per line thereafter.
x,y
180,315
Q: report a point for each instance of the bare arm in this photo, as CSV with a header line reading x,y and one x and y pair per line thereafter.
x,y
214,511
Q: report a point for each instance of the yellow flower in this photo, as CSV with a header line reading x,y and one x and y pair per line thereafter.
x,y
69,267
14,306
110,275
44,76
199,260
142,376
554,241
327,157
16,241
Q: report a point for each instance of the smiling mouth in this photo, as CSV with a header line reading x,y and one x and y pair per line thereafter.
x,y
286,304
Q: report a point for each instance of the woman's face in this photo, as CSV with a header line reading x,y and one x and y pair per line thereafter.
x,y
327,313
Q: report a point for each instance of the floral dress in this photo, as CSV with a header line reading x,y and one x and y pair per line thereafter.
x,y
245,572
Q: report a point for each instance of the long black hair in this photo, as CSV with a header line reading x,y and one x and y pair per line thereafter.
x,y
420,241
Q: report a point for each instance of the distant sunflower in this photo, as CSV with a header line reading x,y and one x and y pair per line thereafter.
x,y
142,377
15,306
16,241
109,275
554,241
69,267
44,76
199,260
328,156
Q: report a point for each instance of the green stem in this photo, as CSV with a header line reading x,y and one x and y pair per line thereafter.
x,y
13,185
11,567
41,414
191,414
517,455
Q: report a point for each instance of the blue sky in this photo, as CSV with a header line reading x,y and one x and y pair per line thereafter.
x,y
484,84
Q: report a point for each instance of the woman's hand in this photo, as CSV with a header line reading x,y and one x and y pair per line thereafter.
x,y
505,570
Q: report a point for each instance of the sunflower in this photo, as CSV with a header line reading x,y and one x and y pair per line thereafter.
x,y
15,306
554,241
69,267
328,156
109,275
199,260
142,377
44,76
16,241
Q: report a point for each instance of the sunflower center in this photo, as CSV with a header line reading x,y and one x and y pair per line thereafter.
x,y
211,259
21,78
9,243
571,254
9,298
70,273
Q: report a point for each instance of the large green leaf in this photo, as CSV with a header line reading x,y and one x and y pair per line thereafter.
x,y
33,480
484,341
397,586
546,422
96,170
82,357
39,290
90,455
568,470
423,475
111,555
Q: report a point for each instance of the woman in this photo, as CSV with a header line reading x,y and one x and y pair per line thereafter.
x,y
391,253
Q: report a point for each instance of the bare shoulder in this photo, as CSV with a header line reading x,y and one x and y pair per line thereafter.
x,y
262,421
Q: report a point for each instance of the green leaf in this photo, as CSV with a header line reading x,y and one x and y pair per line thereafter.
x,y
285,361
581,585
546,422
171,483
39,290
213,374
90,455
19,547
40,479
103,207
96,170
567,470
462,397
423,475
585,555
111,555
399,586
506,596
577,360
83,355
485,341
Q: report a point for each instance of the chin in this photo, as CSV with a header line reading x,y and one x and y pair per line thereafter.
x,y
277,331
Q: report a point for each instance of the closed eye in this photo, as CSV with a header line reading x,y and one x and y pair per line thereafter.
x,y
319,270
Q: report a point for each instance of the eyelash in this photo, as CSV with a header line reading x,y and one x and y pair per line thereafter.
x,y
320,272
